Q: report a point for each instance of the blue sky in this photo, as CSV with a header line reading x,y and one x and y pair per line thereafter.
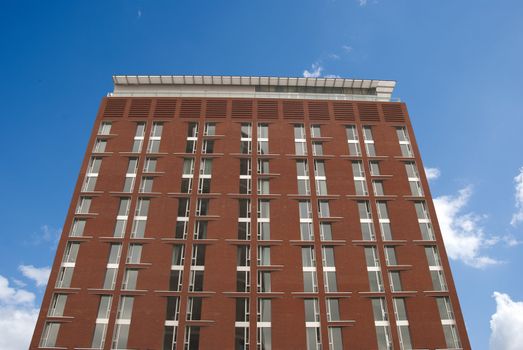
x,y
458,67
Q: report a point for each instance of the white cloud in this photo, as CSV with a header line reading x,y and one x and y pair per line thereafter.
x,y
18,316
518,215
347,48
506,324
38,274
463,233
315,72
432,173
47,235
362,2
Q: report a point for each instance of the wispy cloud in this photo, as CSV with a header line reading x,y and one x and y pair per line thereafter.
x,y
362,2
506,323
432,173
39,275
463,233
518,194
47,235
347,48
139,14
18,315
315,71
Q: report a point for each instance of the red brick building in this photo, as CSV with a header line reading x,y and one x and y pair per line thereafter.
x,y
251,213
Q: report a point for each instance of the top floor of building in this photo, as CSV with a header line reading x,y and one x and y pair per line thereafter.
x,y
328,88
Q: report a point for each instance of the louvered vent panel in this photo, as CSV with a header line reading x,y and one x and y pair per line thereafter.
x,y
115,107
140,107
318,110
191,108
293,109
268,109
216,108
343,111
368,112
242,109
393,113
165,108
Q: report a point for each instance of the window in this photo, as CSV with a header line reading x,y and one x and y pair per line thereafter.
x,y
263,166
335,338
187,175
243,281
56,309
448,323
130,175
353,141
360,183
121,332
414,181
424,221
208,146
64,277
264,256
129,280
264,220
147,184
403,138
99,146
192,338
325,231
374,168
155,137
138,138
92,174
242,324
329,280
308,257
150,165
383,214
390,256
333,309
78,227
312,324
300,146
263,138
367,226
402,323
49,335
71,252
202,207
200,229
317,148
140,218
264,336
171,323
323,209
134,254
436,270
210,129
194,308
112,266
395,281
373,270
315,130
196,281
192,137
246,138
264,281
369,141
378,188
102,320
321,179
303,177
382,325
105,128
183,207
263,186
